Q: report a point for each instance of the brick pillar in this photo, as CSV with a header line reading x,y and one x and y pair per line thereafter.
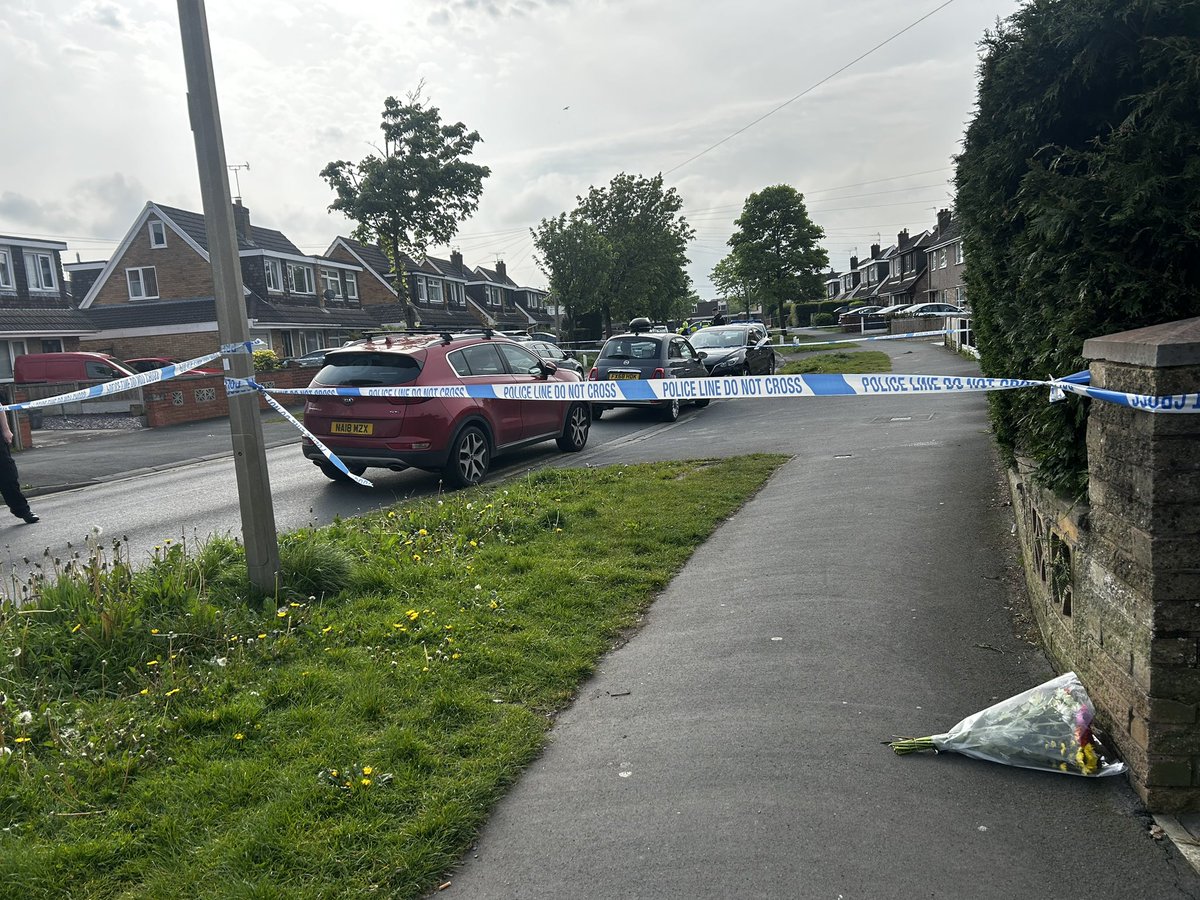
x,y
1141,583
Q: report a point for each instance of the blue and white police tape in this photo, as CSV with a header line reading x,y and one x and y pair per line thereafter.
x,y
1170,403
329,454
860,340
120,385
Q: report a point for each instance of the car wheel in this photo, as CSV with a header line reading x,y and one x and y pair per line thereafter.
x,y
575,431
333,473
670,412
469,459
597,413
700,404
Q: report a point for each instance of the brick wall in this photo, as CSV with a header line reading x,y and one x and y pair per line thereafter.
x,y
1114,582
181,271
177,346
195,398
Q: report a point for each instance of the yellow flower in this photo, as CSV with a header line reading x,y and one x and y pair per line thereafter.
x,y
76,628
416,557
294,605
281,614
367,770
422,532
327,629
412,615
333,772
144,691
366,781
390,515
474,543
239,737
172,692
262,637
23,740
153,662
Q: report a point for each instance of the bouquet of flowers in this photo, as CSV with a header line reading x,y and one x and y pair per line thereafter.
x,y
1048,727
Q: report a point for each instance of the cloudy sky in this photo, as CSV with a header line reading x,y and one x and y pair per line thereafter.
x,y
565,93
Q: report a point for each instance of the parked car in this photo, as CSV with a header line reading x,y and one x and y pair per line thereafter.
x,y
933,309
734,350
150,363
659,329
642,354
456,437
49,368
309,360
557,355
856,314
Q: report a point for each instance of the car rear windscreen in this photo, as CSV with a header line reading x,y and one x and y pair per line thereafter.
x,y
631,348
367,370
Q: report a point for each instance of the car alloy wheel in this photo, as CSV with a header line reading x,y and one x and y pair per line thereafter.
x,y
469,458
575,431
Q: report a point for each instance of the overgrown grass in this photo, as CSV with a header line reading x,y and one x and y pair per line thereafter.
x,y
163,736
862,362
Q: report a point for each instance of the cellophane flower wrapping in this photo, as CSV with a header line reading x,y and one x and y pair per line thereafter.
x,y
1048,727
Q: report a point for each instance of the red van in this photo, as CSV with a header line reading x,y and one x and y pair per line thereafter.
x,y
50,368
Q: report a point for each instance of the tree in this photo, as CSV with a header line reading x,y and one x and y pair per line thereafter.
x,y
775,246
640,222
728,279
578,260
1077,191
415,191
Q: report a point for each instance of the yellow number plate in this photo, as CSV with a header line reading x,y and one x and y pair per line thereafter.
x,y
623,376
351,427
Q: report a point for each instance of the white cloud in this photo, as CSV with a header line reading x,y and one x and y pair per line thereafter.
x,y
97,95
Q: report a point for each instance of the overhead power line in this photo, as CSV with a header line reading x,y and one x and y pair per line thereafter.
x,y
809,89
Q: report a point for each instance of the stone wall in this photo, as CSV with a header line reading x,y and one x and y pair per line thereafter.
x,y
1115,581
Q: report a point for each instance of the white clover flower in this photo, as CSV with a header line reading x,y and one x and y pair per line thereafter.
x,y
25,718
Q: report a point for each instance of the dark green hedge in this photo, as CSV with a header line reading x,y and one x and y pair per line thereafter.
x,y
1079,194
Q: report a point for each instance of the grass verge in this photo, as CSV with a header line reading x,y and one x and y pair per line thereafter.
x,y
162,735
862,362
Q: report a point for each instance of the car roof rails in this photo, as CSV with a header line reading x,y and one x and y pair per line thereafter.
x,y
446,334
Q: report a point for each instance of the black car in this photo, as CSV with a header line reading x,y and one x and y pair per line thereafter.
x,y
555,354
643,354
735,350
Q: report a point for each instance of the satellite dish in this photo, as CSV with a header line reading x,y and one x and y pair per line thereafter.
x,y
329,294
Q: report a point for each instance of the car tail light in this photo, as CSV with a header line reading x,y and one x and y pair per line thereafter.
x,y
659,373
594,374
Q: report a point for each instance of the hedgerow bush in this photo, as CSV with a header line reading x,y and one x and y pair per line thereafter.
x,y
1077,191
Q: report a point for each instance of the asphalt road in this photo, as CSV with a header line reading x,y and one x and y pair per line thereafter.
x,y
733,747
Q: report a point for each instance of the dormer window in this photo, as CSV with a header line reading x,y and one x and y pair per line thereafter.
x,y
435,291
158,234
39,269
333,284
273,273
351,286
300,279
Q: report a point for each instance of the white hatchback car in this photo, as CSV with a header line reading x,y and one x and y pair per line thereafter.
x,y
933,309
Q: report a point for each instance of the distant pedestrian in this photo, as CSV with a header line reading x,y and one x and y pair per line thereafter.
x,y
685,328
10,484
718,319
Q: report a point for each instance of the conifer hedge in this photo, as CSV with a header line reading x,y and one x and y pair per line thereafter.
x,y
1079,193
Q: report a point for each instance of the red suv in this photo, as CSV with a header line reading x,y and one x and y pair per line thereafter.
x,y
456,437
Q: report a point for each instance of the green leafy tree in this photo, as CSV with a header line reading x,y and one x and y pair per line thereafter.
x,y
776,250
415,191
728,279
1077,190
578,260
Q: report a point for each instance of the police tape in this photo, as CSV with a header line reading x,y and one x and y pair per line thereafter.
x,y
120,385
329,454
861,340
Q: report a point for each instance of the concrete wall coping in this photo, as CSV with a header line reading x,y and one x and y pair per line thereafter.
x,y
1170,344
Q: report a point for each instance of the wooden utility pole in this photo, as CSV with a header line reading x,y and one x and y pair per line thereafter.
x,y
249,452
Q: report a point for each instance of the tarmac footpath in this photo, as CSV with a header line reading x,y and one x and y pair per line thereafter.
x,y
734,746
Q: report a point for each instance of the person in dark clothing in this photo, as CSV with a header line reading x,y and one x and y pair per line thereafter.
x,y
10,484
718,318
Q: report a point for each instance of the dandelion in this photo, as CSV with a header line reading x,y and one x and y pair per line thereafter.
x,y
22,740
153,662
239,737
172,692
367,770
281,613
294,605
366,781
421,532
416,557
413,615
474,543
327,629
25,718
262,637
76,628
144,691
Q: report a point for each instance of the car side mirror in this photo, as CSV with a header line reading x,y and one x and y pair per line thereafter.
x,y
702,353
546,368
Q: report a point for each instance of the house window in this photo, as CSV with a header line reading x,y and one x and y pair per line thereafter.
x,y
6,275
158,234
456,293
9,350
300,279
143,283
39,269
941,258
50,345
273,273
351,286
419,281
330,279
435,291
958,253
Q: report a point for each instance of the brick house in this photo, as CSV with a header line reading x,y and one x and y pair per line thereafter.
x,y
36,315
154,297
908,272
944,255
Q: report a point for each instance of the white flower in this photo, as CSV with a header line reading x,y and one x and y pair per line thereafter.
x,y
218,661
25,718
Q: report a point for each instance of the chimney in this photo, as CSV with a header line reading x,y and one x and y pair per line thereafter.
x,y
943,219
901,238
874,251
853,263
500,270
241,222
456,259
